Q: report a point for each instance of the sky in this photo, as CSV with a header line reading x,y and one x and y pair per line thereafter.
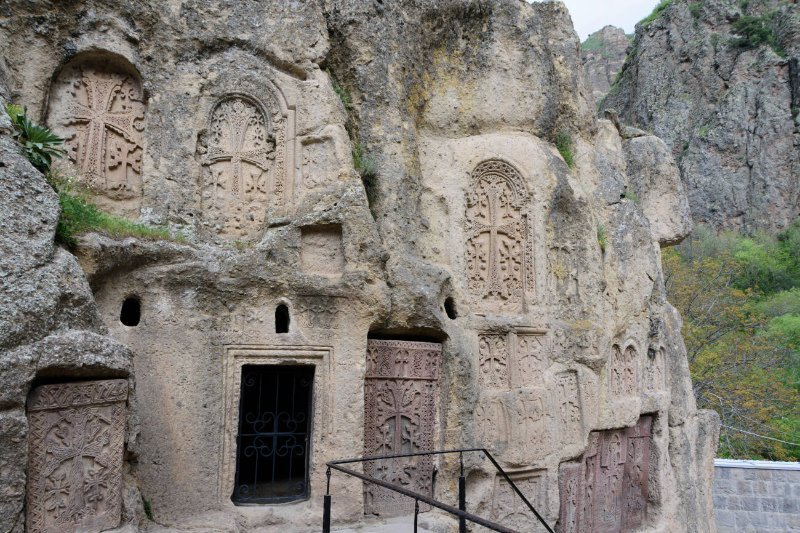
x,y
589,16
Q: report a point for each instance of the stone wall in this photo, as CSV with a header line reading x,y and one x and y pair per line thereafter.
x,y
471,282
756,496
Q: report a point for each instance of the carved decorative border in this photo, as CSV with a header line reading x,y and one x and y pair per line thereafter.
x,y
234,358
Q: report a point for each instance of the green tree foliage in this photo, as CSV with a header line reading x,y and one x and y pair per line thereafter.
x,y
740,301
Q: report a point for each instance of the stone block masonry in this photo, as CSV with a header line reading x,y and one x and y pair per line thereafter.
x,y
759,496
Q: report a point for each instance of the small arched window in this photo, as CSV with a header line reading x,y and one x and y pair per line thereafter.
x,y
282,319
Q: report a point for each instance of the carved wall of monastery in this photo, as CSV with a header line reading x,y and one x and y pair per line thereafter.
x,y
474,291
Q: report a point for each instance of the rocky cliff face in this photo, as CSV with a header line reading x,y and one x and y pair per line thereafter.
x,y
603,54
538,281
717,80
50,328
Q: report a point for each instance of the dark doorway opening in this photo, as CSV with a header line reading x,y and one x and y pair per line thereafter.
x,y
131,312
282,319
272,444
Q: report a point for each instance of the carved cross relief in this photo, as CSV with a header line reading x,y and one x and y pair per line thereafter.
x,y
100,112
75,461
244,157
400,392
607,490
498,258
512,360
623,374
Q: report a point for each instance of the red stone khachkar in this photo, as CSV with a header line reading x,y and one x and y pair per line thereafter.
x,y
76,441
607,490
400,392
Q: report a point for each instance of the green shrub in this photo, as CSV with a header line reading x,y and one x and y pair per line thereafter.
x,y
39,143
756,31
564,146
696,9
342,93
660,8
703,131
364,164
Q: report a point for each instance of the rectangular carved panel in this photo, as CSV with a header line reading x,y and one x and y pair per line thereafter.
x,y
509,510
75,456
512,360
400,392
607,489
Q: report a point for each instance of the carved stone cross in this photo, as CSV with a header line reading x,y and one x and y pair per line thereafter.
x,y
99,117
239,135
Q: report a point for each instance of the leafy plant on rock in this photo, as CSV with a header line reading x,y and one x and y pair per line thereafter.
x,y
38,142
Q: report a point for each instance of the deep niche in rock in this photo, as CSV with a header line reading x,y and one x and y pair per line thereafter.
x,y
131,312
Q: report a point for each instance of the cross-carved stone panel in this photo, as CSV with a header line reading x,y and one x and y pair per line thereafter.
x,y
607,490
499,261
508,508
623,377
400,393
244,154
75,464
97,107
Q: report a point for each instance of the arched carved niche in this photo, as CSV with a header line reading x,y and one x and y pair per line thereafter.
x,y
623,376
499,260
97,104
244,158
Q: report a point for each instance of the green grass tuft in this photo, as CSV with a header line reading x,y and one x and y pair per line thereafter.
x,y
148,508
602,238
79,215
564,146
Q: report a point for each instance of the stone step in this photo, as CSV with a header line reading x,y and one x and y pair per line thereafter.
x,y
397,524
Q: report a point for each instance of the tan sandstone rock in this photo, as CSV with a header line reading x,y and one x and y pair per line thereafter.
x,y
474,290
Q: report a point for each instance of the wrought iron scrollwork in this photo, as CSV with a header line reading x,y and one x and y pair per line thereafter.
x,y
272,442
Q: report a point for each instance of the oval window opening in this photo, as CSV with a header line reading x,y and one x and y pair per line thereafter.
x,y
450,308
131,312
282,319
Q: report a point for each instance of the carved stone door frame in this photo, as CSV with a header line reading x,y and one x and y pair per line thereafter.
x,y
234,358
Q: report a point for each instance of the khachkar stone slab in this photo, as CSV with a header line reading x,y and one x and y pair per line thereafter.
x,y
75,461
244,159
499,258
624,372
400,392
607,490
97,107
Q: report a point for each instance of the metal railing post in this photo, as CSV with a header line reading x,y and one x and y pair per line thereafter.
x,y
462,495
326,510
416,514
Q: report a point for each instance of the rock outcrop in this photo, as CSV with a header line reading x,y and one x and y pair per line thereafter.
x,y
50,329
718,81
603,54
375,211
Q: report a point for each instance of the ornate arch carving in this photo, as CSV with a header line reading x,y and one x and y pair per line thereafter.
x,y
499,261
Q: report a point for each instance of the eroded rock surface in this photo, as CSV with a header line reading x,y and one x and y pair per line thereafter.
x,y
603,54
50,328
729,113
535,286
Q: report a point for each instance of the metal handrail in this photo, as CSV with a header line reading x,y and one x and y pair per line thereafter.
x,y
460,512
